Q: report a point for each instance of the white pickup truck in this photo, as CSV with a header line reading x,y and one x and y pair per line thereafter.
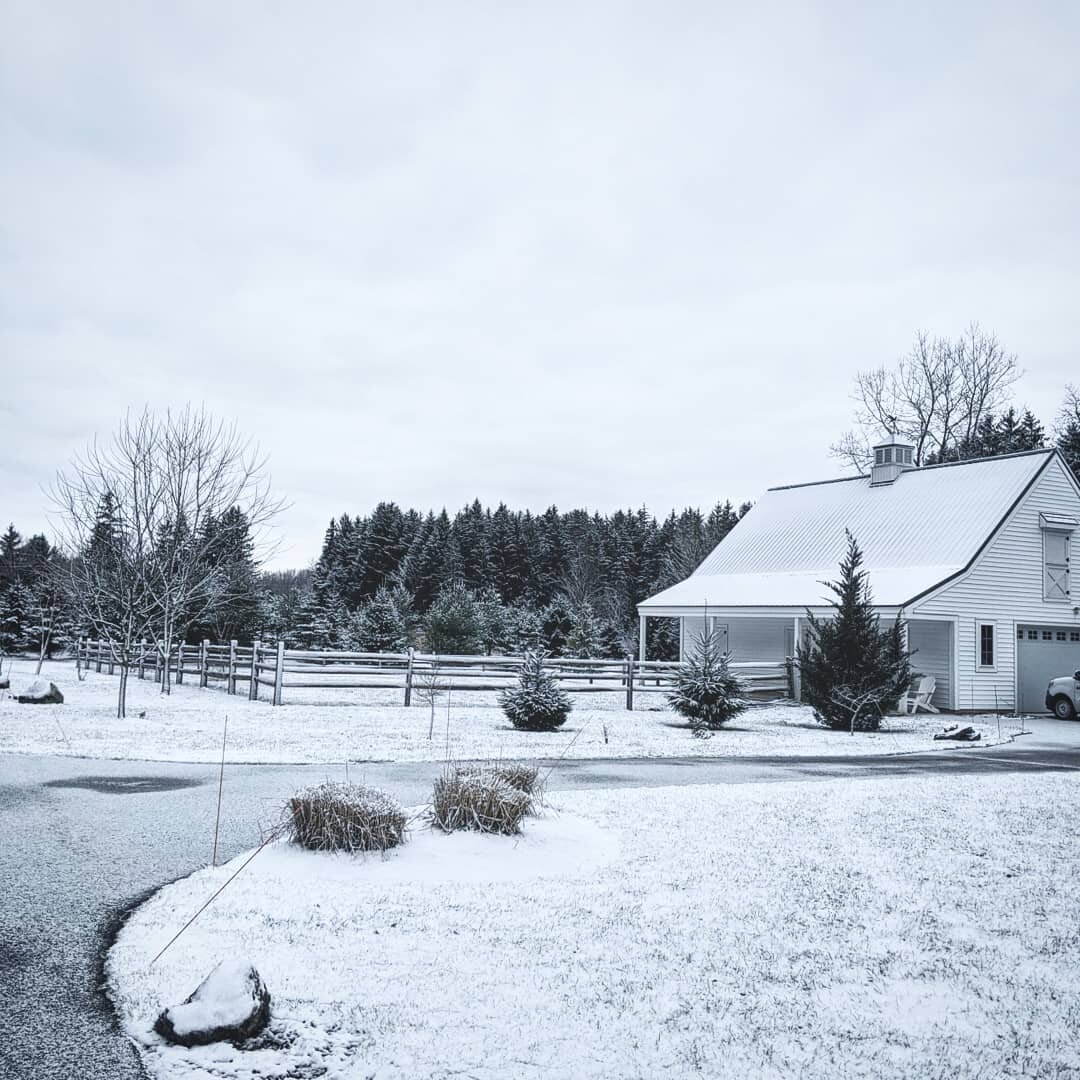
x,y
1063,696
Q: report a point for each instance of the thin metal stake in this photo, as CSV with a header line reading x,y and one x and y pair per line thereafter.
x,y
273,836
221,782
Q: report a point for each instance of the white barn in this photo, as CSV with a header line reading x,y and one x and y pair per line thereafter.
x,y
975,554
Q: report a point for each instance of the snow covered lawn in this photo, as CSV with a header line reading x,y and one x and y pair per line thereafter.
x,y
372,725
913,928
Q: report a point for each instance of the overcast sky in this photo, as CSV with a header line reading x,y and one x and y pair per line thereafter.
x,y
591,255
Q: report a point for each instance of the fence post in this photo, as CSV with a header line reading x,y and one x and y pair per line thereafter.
x,y
159,676
278,671
231,684
253,689
97,653
408,680
142,659
78,658
179,663
202,662
630,683
112,661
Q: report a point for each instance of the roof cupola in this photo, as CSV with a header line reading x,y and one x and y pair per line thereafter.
x,y
892,456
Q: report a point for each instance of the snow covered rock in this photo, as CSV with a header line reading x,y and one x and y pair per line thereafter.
x,y
41,692
231,1003
5,682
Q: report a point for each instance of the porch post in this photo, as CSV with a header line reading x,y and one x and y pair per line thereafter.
x,y
641,636
796,675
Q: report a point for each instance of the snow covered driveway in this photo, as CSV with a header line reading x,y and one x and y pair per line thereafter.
x,y
374,726
871,928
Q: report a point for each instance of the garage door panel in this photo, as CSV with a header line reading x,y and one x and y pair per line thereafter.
x,y
1044,653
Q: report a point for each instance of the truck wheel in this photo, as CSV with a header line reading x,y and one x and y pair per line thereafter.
x,y
1064,709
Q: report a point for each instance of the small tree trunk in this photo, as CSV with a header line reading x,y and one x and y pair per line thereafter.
x,y
121,698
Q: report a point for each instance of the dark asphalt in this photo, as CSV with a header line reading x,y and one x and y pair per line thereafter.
x,y
84,840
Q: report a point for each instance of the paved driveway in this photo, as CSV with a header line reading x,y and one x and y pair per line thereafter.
x,y
83,839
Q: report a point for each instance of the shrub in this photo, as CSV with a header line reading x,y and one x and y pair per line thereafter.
x,y
483,799
335,816
536,703
706,692
852,670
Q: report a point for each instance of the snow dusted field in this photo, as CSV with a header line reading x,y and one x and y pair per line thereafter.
x,y
372,725
913,928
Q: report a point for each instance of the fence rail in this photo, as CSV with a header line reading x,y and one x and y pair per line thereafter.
x,y
247,668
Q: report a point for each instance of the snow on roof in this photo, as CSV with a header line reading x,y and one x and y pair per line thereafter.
x,y
914,533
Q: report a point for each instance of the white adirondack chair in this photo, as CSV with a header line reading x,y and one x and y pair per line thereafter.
x,y
919,698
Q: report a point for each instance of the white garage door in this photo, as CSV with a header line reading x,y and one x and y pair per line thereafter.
x,y
1044,653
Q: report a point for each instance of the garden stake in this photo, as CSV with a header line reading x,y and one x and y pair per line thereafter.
x,y
273,836
221,781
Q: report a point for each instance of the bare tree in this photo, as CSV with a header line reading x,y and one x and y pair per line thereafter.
x,y
147,520
934,396
213,493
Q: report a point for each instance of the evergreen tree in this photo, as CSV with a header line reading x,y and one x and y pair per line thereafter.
x,y
453,623
16,618
383,549
381,625
556,622
1067,430
689,545
496,623
537,703
722,519
234,612
323,622
852,670
10,543
584,638
508,570
706,691
662,639
528,629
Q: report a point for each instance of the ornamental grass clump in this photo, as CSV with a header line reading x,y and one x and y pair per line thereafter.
x,y
482,799
536,703
706,692
335,816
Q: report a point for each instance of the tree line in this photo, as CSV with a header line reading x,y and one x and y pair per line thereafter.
x,y
496,580
160,533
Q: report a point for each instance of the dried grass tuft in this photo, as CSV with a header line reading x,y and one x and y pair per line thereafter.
x,y
519,775
486,799
336,816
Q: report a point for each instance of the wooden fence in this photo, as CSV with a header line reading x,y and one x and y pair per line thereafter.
x,y
275,669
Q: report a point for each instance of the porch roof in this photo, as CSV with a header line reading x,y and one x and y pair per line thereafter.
x,y
890,587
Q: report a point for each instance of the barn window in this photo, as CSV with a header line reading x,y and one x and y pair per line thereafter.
x,y
1074,635
1048,635
1033,635
1055,565
1061,635
986,645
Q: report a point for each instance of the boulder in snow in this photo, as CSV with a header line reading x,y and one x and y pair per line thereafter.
x,y
231,1003
5,682
41,692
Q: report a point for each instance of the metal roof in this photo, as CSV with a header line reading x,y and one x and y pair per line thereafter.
x,y
925,526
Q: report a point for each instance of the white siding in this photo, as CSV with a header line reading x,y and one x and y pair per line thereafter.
x,y
931,642
750,640
753,640
1005,587
692,629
